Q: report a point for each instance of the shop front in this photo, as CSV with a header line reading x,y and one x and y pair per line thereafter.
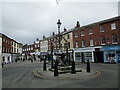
x,y
111,53
84,54
6,58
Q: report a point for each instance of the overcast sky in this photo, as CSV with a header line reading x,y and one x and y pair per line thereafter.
x,y
26,21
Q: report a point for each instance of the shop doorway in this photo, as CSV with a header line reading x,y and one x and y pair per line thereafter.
x,y
98,56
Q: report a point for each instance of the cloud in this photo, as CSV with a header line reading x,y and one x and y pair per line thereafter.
x,y
26,21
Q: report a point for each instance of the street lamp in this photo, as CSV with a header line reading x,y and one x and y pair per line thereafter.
x,y
59,24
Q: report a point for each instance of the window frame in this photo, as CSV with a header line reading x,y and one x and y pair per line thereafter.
x,y
91,40
82,33
90,29
101,28
83,43
114,38
76,44
101,41
113,26
76,34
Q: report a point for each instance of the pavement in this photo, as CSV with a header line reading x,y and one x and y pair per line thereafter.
x,y
21,75
49,75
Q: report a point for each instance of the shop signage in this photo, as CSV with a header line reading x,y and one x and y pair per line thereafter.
x,y
105,48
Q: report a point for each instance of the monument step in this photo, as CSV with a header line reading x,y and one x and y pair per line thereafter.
x,y
65,68
65,71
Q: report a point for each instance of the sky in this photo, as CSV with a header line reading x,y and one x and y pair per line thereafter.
x,y
27,21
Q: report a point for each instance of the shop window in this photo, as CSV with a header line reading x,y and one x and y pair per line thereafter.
x,y
113,26
3,58
101,29
91,42
114,39
90,31
102,40
83,43
88,56
82,33
78,56
110,56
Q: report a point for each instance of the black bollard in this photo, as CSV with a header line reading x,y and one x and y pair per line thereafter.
x,y
16,60
32,60
73,68
56,69
88,66
2,65
44,66
52,63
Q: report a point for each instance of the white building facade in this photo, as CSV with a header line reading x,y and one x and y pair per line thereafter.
x,y
44,46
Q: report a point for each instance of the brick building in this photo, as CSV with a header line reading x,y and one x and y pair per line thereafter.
x,y
6,49
10,49
15,50
53,43
27,51
37,48
90,41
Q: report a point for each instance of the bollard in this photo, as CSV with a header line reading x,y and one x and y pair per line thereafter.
x,y
52,64
44,66
73,68
16,60
2,65
88,66
56,69
32,60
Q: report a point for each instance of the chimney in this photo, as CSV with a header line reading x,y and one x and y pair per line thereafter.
x,y
78,24
65,29
53,33
43,36
37,39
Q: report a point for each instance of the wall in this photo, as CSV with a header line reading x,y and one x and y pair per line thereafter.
x,y
97,34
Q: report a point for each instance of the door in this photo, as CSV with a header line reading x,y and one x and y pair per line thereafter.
x,y
98,56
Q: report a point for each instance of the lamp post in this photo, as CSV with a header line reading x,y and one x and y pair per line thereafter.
x,y
59,24
51,56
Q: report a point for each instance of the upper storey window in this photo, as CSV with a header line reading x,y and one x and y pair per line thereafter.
x,y
82,33
113,26
76,34
101,29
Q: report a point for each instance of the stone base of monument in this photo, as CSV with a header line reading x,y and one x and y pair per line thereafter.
x,y
65,69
